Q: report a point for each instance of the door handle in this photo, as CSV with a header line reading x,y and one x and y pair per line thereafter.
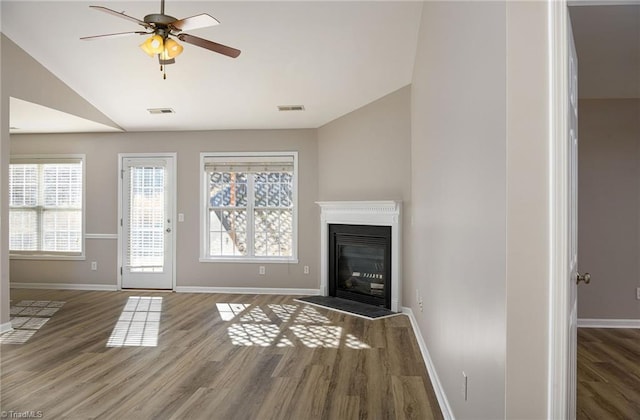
x,y
586,278
168,230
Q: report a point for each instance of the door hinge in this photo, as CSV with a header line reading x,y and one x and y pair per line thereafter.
x,y
121,173
121,222
121,271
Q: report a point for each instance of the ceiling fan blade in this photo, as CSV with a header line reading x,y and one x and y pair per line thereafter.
x,y
115,35
209,45
194,22
122,15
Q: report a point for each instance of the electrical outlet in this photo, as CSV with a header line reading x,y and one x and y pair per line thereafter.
x,y
261,270
306,269
465,386
638,293
180,217
94,265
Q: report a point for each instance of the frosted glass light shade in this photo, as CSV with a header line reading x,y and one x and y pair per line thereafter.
x,y
171,48
153,45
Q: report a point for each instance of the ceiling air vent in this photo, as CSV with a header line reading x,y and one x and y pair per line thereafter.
x,y
161,111
291,108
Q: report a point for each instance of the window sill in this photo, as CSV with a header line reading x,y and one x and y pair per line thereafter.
x,y
47,257
254,260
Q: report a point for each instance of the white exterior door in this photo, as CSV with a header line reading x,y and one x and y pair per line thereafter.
x,y
147,222
572,224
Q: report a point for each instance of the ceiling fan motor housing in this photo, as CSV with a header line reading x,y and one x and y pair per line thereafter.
x,y
159,19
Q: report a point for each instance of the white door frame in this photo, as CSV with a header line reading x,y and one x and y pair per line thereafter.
x,y
173,192
559,286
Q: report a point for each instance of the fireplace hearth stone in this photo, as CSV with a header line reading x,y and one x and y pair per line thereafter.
x,y
348,306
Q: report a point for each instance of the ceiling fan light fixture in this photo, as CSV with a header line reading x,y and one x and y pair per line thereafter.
x,y
171,49
153,45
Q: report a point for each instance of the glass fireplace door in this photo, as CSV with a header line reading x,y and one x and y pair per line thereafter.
x,y
360,260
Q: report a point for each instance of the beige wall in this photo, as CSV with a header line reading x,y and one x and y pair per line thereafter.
x,y
101,197
609,207
366,155
480,230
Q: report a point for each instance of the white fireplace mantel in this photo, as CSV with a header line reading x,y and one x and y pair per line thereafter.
x,y
376,213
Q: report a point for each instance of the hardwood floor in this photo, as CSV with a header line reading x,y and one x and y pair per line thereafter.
x,y
608,374
210,357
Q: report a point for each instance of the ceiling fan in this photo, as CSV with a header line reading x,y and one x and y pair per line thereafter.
x,y
163,28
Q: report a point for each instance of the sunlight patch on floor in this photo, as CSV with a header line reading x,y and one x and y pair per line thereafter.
x,y
27,317
263,327
139,323
228,311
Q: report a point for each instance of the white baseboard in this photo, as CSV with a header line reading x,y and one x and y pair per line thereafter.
x,y
65,286
608,323
247,290
6,327
180,289
447,413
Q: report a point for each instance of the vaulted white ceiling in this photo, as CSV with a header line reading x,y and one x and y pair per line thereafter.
x,y
331,57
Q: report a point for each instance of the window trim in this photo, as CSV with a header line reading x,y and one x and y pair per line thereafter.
x,y
204,237
48,255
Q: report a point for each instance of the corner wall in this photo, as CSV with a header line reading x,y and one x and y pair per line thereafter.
x,y
366,155
609,207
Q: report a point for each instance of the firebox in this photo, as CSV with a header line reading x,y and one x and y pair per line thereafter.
x,y
360,263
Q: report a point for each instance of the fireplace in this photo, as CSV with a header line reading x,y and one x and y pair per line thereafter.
x,y
360,263
377,266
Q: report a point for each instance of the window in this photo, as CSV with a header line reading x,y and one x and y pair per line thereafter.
x,y
249,207
46,206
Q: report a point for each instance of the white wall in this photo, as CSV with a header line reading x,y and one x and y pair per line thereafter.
x,y
609,207
479,194
458,234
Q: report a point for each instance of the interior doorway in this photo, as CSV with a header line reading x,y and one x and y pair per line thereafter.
x,y
607,34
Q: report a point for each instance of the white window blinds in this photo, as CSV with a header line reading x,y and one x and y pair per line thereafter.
x,y
248,164
45,205
145,221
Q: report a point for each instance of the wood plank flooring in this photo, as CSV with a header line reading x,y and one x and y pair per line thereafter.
x,y
212,357
608,374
